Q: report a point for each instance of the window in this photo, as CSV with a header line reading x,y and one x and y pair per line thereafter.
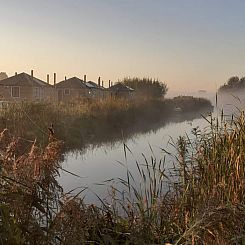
x,y
67,91
41,93
36,93
15,92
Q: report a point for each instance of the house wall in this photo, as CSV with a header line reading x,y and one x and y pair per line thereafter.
x,y
50,94
105,94
28,93
25,93
74,94
121,94
99,93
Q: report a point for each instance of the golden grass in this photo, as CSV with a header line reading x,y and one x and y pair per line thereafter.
x,y
205,205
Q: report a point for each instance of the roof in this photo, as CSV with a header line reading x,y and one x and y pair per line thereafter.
x,y
23,79
93,85
121,87
73,82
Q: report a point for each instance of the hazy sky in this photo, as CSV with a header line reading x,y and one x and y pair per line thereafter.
x,y
190,44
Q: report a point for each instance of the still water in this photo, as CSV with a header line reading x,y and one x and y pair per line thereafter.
x,y
95,165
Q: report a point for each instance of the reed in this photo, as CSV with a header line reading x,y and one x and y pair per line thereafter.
x,y
200,201
203,203
93,121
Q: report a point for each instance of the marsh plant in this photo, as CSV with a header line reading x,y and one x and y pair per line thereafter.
x,y
79,123
201,203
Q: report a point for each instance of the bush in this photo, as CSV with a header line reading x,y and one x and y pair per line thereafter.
x,y
146,87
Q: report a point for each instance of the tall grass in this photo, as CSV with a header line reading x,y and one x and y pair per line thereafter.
x,y
213,184
95,121
203,204
29,192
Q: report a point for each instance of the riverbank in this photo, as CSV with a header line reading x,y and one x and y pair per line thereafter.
x,y
95,122
204,205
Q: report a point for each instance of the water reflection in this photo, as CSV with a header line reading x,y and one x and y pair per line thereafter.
x,y
103,160
98,163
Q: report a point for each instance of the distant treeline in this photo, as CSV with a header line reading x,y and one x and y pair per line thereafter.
x,y
146,87
233,84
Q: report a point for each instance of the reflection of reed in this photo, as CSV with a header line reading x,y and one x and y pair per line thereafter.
x,y
136,131
81,125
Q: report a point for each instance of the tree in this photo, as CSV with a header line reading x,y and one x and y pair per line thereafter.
x,y
242,82
233,81
233,84
146,87
3,75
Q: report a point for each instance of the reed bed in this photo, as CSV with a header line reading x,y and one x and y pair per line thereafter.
x,y
93,121
202,204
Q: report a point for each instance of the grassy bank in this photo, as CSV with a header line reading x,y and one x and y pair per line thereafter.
x,y
205,205
93,122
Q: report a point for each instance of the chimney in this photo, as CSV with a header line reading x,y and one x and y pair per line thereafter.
x,y
16,73
85,78
102,83
65,78
31,73
99,81
55,79
48,78
109,83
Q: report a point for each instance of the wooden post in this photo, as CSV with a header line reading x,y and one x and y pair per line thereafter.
x,y
99,81
55,80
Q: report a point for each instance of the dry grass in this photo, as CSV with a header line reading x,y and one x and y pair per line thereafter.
x,y
29,190
204,206
95,121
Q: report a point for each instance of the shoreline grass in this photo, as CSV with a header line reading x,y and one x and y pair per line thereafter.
x,y
204,204
94,122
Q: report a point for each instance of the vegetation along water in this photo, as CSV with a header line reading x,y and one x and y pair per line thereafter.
x,y
204,202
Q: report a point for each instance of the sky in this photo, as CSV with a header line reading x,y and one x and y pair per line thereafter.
x,y
189,44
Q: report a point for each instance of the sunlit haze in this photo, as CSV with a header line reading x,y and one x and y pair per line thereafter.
x,y
189,44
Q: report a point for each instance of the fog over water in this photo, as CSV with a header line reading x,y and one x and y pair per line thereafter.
x,y
97,164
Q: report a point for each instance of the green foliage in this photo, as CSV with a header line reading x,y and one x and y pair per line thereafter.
x,y
190,103
233,84
147,87
233,81
10,232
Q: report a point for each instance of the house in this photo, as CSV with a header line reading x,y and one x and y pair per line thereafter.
x,y
97,90
120,90
72,89
25,87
